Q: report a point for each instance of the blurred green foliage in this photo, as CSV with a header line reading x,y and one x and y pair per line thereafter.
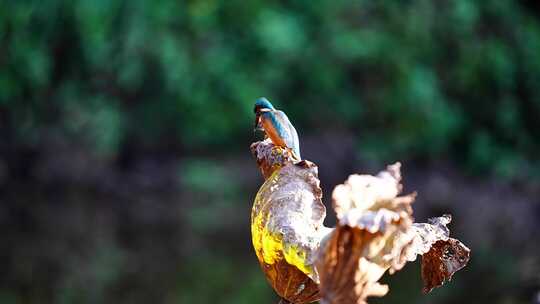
x,y
421,78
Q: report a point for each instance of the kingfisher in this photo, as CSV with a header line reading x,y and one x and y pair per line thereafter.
x,y
277,126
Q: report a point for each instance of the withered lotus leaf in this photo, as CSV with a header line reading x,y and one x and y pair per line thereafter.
x,y
287,226
305,261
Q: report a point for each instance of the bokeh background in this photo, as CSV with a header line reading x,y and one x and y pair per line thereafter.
x,y
125,171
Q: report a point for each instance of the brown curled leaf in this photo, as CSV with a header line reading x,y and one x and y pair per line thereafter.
x,y
346,275
442,256
287,225
366,242
441,262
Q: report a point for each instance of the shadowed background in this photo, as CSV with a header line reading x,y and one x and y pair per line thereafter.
x,y
125,172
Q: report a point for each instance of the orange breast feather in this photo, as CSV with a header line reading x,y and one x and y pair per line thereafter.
x,y
272,132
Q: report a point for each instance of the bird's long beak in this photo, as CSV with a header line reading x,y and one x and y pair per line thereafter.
x,y
258,125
